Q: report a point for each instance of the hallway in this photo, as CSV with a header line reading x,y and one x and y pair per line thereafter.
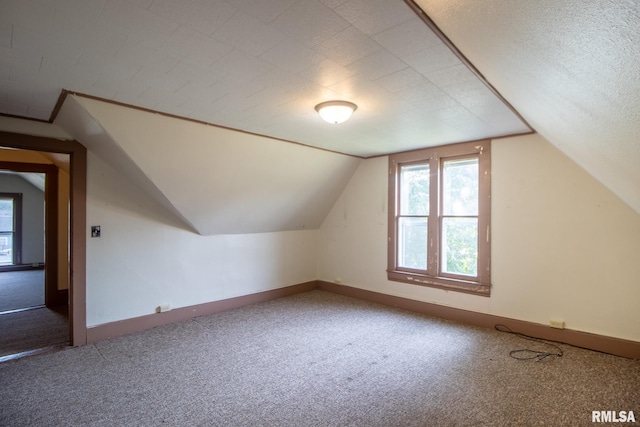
x,y
25,322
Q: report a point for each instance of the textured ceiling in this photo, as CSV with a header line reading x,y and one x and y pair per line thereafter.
x,y
253,65
214,180
571,68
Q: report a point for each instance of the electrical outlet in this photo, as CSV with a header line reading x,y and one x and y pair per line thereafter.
x,y
556,322
163,308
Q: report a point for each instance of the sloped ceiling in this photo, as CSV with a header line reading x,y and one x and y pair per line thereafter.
x,y
217,181
568,67
62,161
27,156
571,68
35,179
253,65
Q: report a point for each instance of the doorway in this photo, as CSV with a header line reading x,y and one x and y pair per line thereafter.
x,y
22,285
33,293
74,297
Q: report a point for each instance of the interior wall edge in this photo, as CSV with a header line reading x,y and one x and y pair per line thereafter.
x,y
141,323
77,233
610,345
601,343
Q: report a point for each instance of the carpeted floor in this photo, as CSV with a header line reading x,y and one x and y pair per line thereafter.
x,y
33,329
314,359
20,289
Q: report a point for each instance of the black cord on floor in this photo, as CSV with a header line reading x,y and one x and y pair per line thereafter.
x,y
528,354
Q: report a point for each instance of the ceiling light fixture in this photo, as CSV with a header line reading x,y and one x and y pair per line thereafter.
x,y
336,111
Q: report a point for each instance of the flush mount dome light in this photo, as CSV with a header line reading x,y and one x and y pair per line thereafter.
x,y
336,111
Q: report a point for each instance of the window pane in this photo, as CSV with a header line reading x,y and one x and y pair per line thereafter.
x,y
6,215
412,243
6,248
460,246
414,190
460,187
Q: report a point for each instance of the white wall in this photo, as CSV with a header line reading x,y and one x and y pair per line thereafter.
x,y
145,258
32,216
562,244
218,181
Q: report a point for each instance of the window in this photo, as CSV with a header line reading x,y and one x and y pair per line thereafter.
x,y
10,228
439,217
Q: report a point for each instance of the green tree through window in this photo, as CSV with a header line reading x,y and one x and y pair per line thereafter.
x,y
439,217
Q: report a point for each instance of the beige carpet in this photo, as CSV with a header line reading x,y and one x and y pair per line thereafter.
x,y
315,359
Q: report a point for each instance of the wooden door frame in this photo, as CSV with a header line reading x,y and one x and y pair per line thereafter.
x,y
78,220
52,297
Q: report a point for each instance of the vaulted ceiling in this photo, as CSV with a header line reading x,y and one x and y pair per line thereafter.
x,y
570,67
425,73
256,66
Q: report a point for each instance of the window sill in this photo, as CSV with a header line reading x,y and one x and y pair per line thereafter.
x,y
449,284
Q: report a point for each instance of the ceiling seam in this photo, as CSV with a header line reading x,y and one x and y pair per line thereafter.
x,y
454,49
491,138
65,93
33,119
